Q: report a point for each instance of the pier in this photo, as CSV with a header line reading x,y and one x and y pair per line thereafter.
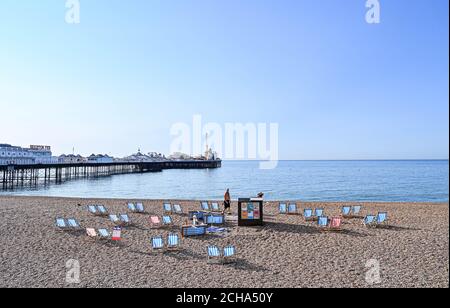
x,y
18,176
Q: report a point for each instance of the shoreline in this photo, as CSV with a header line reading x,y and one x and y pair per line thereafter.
x,y
286,252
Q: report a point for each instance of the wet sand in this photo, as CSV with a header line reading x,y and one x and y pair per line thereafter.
x,y
412,250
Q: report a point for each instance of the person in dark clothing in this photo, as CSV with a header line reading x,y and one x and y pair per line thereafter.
x,y
227,202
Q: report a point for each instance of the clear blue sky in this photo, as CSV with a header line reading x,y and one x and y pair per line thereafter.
x,y
338,87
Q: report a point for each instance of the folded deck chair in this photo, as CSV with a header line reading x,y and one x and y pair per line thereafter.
x,y
167,207
214,255
102,210
282,208
346,211
205,206
215,207
73,224
292,209
140,208
381,218
318,212
104,234
308,214
158,243
173,242
177,209
229,254
91,233
132,207
167,220
155,222
125,219
114,219
61,224
370,220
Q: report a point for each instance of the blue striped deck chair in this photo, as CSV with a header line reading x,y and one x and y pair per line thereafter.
x,y
102,210
167,208
214,219
356,210
73,224
167,220
61,224
205,206
322,222
173,242
282,208
104,234
229,254
193,231
318,212
381,218
214,255
308,214
114,219
292,209
158,243
346,211
177,209
125,219
93,210
132,207
370,220
215,207
140,208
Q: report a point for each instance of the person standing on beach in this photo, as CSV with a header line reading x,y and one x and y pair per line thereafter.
x,y
227,202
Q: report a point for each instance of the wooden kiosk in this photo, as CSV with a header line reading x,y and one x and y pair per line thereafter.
x,y
250,212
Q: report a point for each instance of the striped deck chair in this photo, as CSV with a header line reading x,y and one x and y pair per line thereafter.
x,y
114,219
335,224
73,224
61,224
173,242
282,208
167,221
370,220
140,208
125,220
381,218
356,209
193,231
214,255
90,232
102,210
158,244
214,219
177,209
215,207
322,223
132,207
104,234
229,254
346,211
292,209
93,210
318,212
167,208
116,234
308,214
204,205
155,222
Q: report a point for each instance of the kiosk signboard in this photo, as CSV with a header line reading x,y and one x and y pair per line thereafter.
x,y
250,212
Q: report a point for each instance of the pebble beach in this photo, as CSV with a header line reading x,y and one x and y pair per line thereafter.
x,y
412,250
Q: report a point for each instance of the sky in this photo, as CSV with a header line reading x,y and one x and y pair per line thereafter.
x,y
338,87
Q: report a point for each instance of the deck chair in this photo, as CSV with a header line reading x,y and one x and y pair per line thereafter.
x,y
323,222
132,207
318,212
308,214
214,219
356,210
125,219
346,211
61,224
292,209
140,208
177,209
215,207
116,234
102,211
282,208
370,220
335,224
381,218
205,206
229,254
93,210
158,244
104,234
167,208
73,224
214,255
187,231
155,222
173,242
167,221
114,219
90,232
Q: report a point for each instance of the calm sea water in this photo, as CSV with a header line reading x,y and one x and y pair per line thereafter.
x,y
292,180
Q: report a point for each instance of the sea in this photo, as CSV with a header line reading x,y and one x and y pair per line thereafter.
x,y
359,181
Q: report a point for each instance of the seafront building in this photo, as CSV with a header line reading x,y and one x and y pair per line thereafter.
x,y
35,154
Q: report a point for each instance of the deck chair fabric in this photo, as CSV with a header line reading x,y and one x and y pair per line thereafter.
x,y
102,210
140,208
132,207
61,223
292,208
91,232
193,231
214,219
214,254
308,214
215,207
205,206
177,209
173,241
346,211
282,208
370,220
114,218
73,223
167,207
167,220
157,243
116,234
335,223
93,209
103,234
381,218
323,222
155,221
356,209
319,212
229,253
125,219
